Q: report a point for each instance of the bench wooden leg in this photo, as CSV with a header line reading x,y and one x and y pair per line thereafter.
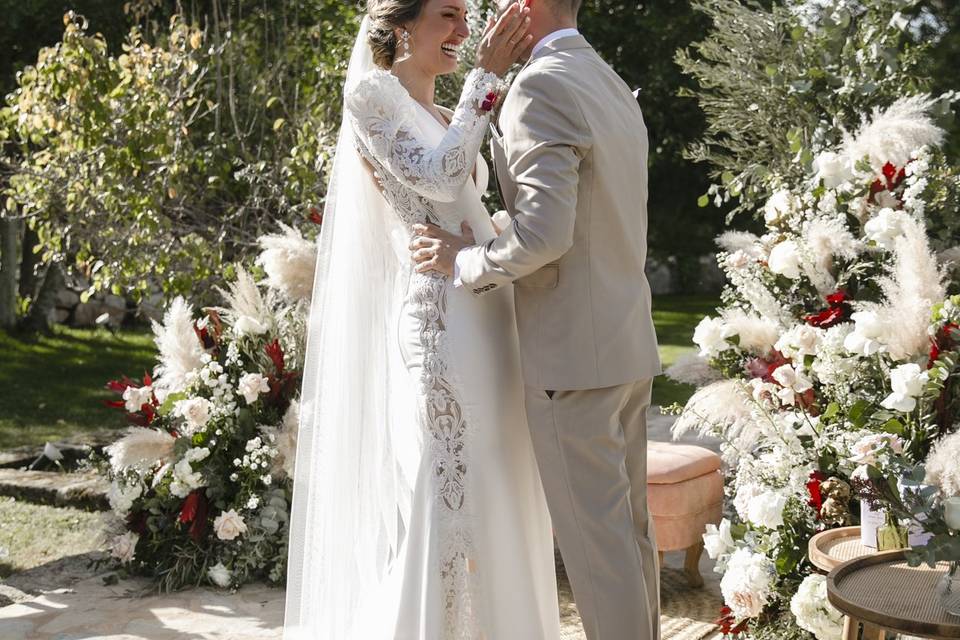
x,y
691,565
871,632
851,628
660,557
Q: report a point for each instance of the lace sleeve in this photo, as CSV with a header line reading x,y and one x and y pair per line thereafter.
x,y
383,116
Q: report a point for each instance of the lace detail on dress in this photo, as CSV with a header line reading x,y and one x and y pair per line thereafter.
x,y
383,115
411,178
449,448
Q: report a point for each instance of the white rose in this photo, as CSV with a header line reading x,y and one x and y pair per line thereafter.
x,y
711,336
134,397
196,411
220,575
124,546
785,259
867,448
885,227
251,385
908,381
738,259
813,610
746,585
863,339
185,479
780,205
791,377
229,524
122,497
834,169
247,326
718,541
766,510
800,341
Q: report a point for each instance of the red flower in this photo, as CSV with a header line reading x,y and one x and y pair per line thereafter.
x,y
764,367
147,412
194,510
943,341
315,215
726,623
275,352
282,383
838,297
838,311
813,488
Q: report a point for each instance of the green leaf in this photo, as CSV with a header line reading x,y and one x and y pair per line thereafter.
x,y
278,124
832,410
703,201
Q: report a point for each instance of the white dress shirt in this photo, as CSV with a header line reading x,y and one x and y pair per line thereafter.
x,y
556,35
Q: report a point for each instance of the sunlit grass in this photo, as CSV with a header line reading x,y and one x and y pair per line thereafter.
x,y
675,318
53,386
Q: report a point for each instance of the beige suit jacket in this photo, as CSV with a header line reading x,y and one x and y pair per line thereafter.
x,y
572,169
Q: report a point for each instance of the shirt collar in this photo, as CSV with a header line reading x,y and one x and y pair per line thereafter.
x,y
556,35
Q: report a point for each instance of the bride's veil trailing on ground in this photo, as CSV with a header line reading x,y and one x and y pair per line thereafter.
x,y
358,446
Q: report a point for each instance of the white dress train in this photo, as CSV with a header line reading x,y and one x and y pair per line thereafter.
x,y
476,561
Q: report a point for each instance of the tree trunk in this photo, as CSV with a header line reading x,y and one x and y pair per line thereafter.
x,y
45,305
9,233
28,263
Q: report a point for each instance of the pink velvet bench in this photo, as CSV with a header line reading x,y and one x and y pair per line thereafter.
x,y
684,494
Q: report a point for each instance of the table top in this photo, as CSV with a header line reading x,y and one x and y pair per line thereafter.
x,y
833,547
883,590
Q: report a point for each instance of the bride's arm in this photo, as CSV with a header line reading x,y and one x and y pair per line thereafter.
x,y
383,116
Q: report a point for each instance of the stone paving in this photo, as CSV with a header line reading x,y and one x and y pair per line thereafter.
x,y
92,609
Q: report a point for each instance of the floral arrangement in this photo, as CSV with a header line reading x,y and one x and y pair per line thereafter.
x,y
831,370
200,485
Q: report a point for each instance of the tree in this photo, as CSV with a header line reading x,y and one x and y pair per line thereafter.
x,y
160,165
636,39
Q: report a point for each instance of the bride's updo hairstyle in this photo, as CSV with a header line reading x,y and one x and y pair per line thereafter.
x,y
385,17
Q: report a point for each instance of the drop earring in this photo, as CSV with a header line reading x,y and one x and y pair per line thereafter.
x,y
406,43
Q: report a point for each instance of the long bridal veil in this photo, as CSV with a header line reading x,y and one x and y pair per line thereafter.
x,y
358,445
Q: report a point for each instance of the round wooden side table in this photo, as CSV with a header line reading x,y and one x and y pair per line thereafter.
x,y
883,593
833,547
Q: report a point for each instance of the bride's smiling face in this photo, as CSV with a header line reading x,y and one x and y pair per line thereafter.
x,y
436,36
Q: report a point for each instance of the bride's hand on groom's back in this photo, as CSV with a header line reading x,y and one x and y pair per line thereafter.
x,y
505,40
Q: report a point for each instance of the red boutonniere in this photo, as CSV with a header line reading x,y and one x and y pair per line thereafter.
x,y
490,101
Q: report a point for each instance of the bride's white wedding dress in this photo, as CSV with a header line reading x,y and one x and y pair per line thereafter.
x,y
418,511
477,561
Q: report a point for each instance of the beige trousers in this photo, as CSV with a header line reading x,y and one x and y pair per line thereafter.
x,y
591,448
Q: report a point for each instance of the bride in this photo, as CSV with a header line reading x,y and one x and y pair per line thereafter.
x,y
418,511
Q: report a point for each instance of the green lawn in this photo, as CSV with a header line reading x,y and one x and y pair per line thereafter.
x,y
53,387
675,318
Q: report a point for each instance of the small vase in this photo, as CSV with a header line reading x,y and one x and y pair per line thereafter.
x,y
891,535
948,589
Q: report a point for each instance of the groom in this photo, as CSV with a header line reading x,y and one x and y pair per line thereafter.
x,y
570,154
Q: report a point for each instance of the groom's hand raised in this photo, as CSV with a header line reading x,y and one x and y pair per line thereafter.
x,y
436,250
